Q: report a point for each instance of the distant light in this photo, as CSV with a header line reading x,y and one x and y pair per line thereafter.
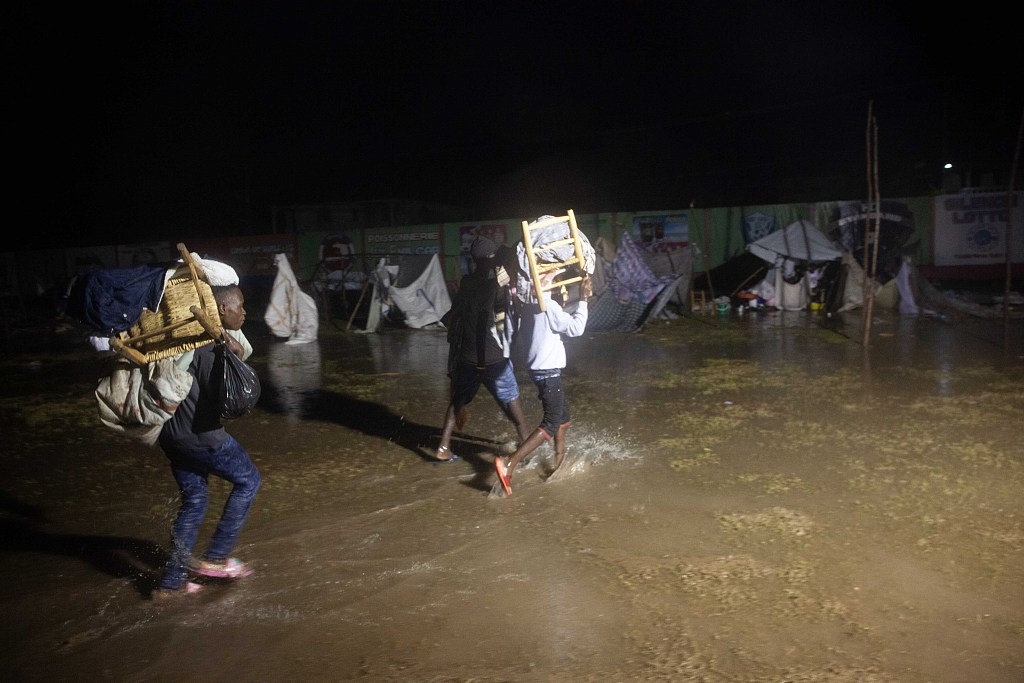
x,y
948,166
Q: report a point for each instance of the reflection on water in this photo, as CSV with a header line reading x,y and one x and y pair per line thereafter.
x,y
295,372
416,351
900,345
931,351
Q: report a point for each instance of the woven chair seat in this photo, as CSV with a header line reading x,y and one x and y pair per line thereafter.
x,y
168,339
176,326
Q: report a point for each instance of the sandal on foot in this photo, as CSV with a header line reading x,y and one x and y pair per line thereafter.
x,y
439,456
161,594
499,465
231,568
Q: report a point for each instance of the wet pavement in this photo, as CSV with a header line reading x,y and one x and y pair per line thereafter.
x,y
745,498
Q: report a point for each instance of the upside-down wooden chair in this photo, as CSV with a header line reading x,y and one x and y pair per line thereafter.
x,y
186,318
539,268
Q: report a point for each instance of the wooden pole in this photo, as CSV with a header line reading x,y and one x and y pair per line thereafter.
x,y
707,257
355,310
1009,227
874,208
877,233
749,278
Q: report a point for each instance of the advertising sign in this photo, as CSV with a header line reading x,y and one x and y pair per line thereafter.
x,y
970,228
666,231
385,241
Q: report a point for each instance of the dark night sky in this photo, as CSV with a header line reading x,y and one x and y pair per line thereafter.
x,y
160,120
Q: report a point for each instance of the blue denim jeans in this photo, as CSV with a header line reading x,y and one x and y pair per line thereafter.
x,y
192,470
498,378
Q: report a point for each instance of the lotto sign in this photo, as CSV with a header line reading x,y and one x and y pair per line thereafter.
x,y
970,228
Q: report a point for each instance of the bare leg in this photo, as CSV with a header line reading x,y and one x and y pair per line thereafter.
x,y
529,446
560,446
514,411
505,471
443,449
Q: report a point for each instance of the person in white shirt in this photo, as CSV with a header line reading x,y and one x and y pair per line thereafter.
x,y
545,357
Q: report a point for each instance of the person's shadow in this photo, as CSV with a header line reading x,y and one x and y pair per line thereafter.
x,y
118,556
372,419
377,420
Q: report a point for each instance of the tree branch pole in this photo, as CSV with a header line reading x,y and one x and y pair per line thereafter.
x,y
707,260
868,287
877,235
1009,226
366,286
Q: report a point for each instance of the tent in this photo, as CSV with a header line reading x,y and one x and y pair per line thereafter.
x,y
678,264
291,312
627,291
799,242
797,255
414,291
730,277
895,224
852,290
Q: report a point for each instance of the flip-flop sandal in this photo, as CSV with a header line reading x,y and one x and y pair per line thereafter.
x,y
499,465
444,461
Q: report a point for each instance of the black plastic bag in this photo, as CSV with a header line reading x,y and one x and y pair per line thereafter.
x,y
240,390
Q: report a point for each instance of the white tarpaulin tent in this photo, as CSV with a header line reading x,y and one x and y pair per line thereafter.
x,y
800,244
800,241
291,312
416,287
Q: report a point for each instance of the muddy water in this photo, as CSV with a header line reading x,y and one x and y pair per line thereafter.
x,y
744,499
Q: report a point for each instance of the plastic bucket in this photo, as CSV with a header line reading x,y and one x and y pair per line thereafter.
x,y
722,308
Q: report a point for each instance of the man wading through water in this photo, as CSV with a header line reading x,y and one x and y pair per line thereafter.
x,y
198,447
543,331
480,325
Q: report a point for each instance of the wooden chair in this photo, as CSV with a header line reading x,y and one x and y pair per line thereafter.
x,y
698,301
538,268
187,318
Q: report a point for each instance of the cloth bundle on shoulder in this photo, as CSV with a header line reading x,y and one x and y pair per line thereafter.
x,y
138,400
112,300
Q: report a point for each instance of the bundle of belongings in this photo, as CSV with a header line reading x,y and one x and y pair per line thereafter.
x,y
147,321
552,244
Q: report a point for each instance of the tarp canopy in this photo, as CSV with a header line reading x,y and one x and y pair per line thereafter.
x,y
799,241
291,312
794,252
630,291
416,287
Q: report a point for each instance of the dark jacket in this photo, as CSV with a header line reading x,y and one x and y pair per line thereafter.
x,y
476,323
196,422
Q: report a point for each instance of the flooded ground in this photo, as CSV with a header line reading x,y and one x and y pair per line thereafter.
x,y
748,499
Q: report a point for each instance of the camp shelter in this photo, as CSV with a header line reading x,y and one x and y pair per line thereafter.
x,y
678,264
890,228
886,295
798,256
799,242
627,290
291,312
413,292
742,270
